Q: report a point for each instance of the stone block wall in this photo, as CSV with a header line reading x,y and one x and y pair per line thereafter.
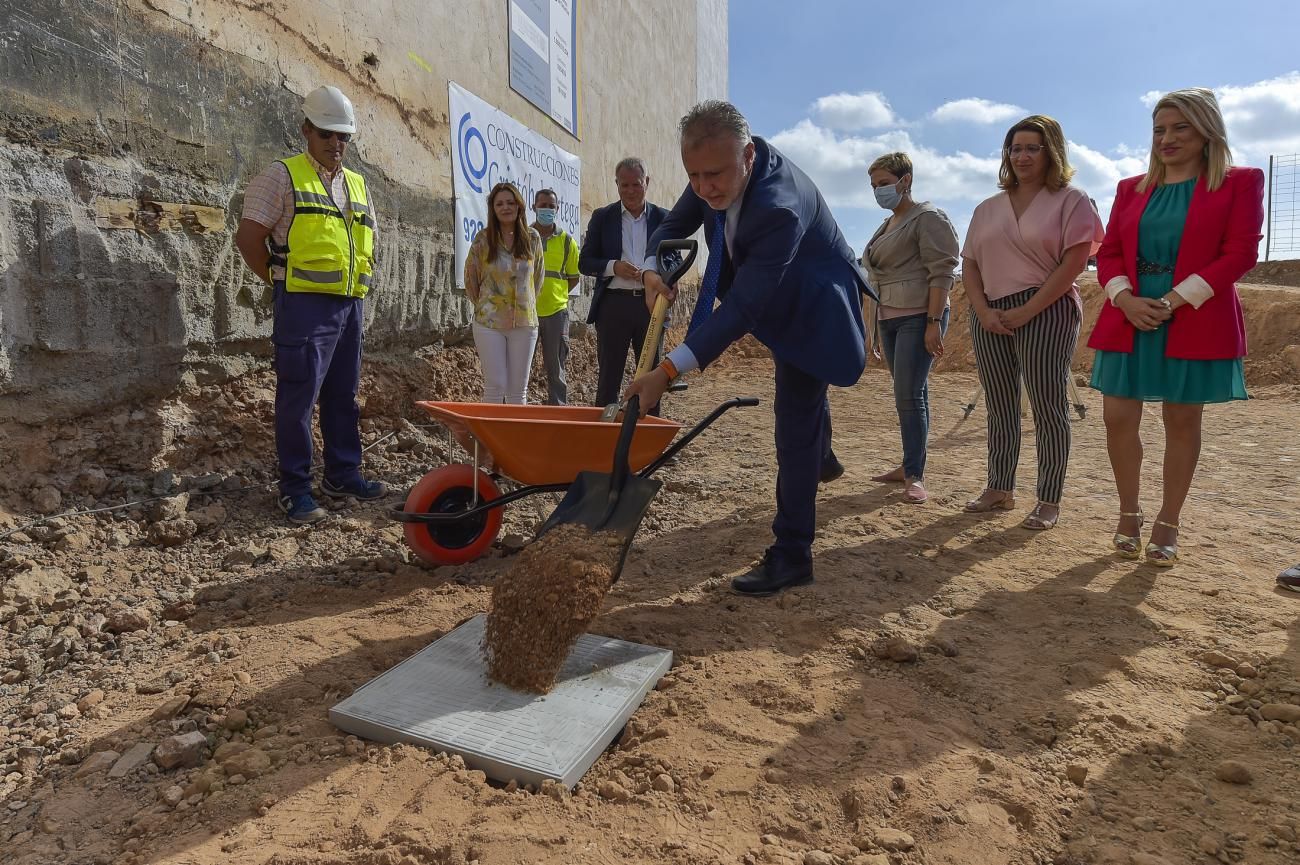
x,y
135,110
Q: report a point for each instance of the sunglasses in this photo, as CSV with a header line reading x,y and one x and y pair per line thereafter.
x,y
327,134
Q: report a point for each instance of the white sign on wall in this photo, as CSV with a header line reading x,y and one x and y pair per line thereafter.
x,y
543,65
491,147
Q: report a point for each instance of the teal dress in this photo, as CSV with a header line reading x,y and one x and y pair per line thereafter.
x,y
1145,373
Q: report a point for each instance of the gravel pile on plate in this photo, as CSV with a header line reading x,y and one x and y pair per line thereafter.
x,y
544,603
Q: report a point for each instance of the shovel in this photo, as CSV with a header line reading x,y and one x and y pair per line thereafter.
x,y
614,502
672,266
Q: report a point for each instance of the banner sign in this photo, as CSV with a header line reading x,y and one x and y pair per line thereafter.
x,y
491,147
543,68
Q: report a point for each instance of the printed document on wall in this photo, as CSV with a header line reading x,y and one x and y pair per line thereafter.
x,y
543,57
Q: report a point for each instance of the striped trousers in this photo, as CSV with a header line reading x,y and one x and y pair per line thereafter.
x,y
1040,351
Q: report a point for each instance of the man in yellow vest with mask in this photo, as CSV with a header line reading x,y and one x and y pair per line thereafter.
x,y
308,230
561,253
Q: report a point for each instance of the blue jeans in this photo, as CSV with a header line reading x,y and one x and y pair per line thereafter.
x,y
903,340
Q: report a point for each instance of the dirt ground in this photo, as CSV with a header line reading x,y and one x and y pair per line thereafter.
x,y
951,689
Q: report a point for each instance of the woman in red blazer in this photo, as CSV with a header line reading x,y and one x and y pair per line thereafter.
x,y
1172,332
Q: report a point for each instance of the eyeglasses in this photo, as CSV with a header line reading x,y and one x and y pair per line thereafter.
x,y
1029,149
327,134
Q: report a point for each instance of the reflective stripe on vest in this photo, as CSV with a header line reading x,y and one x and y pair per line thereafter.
x,y
327,252
553,294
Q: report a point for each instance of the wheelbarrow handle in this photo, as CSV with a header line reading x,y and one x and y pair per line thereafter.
x,y
734,402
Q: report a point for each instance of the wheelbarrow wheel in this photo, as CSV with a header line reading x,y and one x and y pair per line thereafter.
x,y
448,490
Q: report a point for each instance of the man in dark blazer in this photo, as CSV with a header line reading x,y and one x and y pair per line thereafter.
x,y
784,273
614,251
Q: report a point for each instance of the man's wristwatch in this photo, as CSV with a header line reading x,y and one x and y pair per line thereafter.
x,y
934,319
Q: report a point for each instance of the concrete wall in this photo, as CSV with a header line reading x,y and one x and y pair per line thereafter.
x,y
183,101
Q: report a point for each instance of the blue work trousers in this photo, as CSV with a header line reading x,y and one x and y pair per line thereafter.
x,y
317,359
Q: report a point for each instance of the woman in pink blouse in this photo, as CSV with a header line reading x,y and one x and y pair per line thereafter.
x,y
1024,249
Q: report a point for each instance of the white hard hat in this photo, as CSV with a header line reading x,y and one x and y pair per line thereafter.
x,y
327,108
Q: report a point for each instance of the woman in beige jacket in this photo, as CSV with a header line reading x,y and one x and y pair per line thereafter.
x,y
911,261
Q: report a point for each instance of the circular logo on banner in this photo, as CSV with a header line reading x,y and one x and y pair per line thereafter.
x,y
466,134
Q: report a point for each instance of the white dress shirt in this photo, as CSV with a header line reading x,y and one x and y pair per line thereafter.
x,y
635,235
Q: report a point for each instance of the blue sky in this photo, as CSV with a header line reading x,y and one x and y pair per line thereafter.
x,y
836,83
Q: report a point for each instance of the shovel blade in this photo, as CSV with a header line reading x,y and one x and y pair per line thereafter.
x,y
610,412
588,504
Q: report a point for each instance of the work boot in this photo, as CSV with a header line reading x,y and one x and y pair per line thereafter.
x,y
772,575
358,488
832,468
302,510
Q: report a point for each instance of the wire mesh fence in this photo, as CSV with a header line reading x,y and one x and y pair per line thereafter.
x,y
1283,237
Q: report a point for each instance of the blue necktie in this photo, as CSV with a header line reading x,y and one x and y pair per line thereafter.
x,y
712,272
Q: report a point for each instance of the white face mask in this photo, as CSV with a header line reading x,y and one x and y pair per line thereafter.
x,y
888,197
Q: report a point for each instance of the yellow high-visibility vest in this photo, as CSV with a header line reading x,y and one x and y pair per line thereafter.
x,y
328,253
561,263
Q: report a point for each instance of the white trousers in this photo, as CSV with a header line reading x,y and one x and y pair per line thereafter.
x,y
507,358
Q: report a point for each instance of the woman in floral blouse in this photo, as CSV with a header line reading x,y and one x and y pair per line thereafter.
x,y
503,271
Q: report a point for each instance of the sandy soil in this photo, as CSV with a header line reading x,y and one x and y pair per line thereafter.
x,y
1286,272
952,689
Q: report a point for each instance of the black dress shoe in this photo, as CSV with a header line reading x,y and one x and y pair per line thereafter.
x,y
832,468
772,575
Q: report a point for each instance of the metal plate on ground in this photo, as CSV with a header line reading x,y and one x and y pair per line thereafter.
x,y
441,698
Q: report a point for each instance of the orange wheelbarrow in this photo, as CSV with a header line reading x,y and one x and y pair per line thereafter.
x,y
453,514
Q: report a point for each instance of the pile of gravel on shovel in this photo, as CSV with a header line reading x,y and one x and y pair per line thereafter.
x,y
544,603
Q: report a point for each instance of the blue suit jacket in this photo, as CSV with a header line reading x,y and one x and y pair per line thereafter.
x,y
793,282
604,243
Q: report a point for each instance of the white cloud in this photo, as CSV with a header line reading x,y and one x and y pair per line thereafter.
x,y
1262,118
954,181
838,164
1097,173
976,110
831,146
867,110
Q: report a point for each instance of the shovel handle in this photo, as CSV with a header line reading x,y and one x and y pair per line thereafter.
x,y
621,470
672,265
650,347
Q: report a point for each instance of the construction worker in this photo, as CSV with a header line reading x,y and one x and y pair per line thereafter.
x,y
553,298
308,229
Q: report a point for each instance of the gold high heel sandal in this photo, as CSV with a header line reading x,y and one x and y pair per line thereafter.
x,y
1129,546
980,505
1163,556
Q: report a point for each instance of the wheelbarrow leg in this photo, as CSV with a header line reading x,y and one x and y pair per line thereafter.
x,y
1076,400
970,403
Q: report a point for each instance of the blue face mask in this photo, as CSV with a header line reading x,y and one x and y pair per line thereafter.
x,y
546,215
888,197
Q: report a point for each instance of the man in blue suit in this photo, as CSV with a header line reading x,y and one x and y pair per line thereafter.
x,y
783,272
613,252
